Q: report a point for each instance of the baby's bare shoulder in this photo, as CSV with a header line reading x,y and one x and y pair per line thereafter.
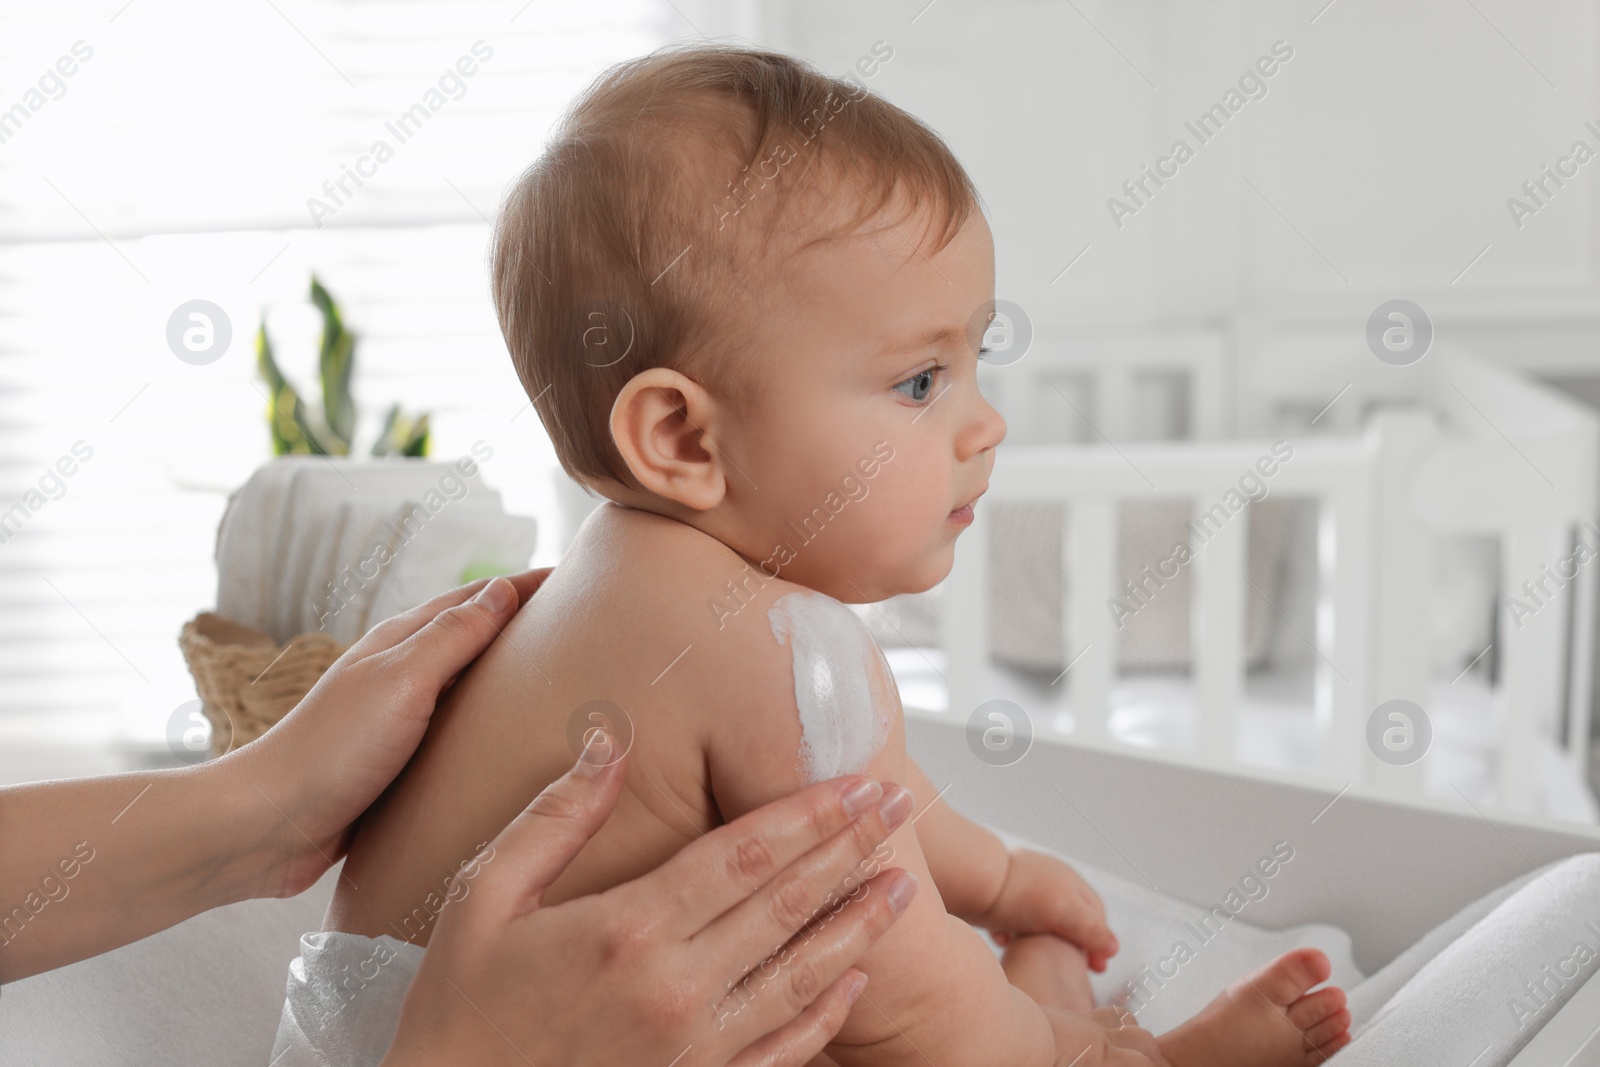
x,y
663,586
707,646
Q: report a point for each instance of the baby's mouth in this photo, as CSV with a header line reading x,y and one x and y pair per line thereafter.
x,y
963,514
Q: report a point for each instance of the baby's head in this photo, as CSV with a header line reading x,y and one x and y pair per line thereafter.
x,y
750,297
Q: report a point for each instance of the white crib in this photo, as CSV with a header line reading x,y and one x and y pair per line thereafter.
x,y
1393,458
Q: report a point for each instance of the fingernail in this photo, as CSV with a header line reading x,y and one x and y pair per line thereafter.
x,y
853,987
900,894
860,795
895,805
496,596
596,753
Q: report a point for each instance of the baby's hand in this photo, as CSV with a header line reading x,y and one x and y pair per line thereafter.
x,y
1042,895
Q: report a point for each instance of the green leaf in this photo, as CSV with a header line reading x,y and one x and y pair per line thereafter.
x,y
291,432
299,428
335,365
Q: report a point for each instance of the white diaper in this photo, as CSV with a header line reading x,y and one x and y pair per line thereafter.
x,y
343,1000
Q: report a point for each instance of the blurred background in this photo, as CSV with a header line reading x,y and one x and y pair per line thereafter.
x,y
1394,152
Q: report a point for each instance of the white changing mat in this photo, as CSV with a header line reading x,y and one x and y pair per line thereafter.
x,y
1476,988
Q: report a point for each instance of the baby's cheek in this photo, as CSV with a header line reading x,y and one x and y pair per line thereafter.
x,y
838,689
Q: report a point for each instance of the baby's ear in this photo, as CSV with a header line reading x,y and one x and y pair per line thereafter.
x,y
663,424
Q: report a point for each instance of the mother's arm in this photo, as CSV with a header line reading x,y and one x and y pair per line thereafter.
x,y
89,864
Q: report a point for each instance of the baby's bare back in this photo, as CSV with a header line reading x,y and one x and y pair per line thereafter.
x,y
598,645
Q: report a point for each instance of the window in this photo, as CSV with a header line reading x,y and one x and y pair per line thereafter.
x,y
153,154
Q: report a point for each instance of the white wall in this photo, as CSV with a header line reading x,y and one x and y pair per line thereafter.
x,y
1378,165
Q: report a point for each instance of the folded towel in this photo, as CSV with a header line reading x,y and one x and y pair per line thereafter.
x,y
317,492
432,557
249,527
313,542
341,600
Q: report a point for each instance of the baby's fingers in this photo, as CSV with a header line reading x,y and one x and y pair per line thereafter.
x,y
1084,924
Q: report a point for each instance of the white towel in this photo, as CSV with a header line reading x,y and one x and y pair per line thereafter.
x,y
437,555
1163,984
249,527
316,493
297,547
343,595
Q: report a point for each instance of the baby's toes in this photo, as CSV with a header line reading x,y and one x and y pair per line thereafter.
x,y
1320,1035
1322,1053
1286,978
1313,1008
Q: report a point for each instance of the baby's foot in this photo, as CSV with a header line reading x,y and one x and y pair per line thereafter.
x,y
1267,1019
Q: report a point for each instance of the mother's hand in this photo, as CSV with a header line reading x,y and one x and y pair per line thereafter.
x,y
266,819
661,969
351,735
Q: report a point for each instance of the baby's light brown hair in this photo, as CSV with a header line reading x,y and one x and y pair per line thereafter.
x,y
634,239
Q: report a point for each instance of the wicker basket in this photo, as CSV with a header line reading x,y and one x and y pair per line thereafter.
x,y
247,681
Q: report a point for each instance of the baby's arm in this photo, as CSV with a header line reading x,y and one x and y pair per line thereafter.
x,y
967,861
1005,891
935,990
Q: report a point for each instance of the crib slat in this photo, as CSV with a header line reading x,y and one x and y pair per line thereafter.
x,y
1581,670
1531,677
1343,696
1403,593
1114,403
964,618
1090,554
1217,630
1209,403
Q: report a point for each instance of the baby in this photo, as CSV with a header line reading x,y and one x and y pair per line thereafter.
x,y
747,300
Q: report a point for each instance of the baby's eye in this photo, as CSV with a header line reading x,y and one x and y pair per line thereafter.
x,y
921,384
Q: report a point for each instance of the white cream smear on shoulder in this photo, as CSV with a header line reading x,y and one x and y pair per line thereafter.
x,y
839,680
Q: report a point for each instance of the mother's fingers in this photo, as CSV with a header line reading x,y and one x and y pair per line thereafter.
x,y
787,984
722,868
528,582
392,631
425,662
536,846
808,1033
804,890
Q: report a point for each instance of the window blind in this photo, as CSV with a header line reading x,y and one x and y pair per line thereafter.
x,y
156,154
